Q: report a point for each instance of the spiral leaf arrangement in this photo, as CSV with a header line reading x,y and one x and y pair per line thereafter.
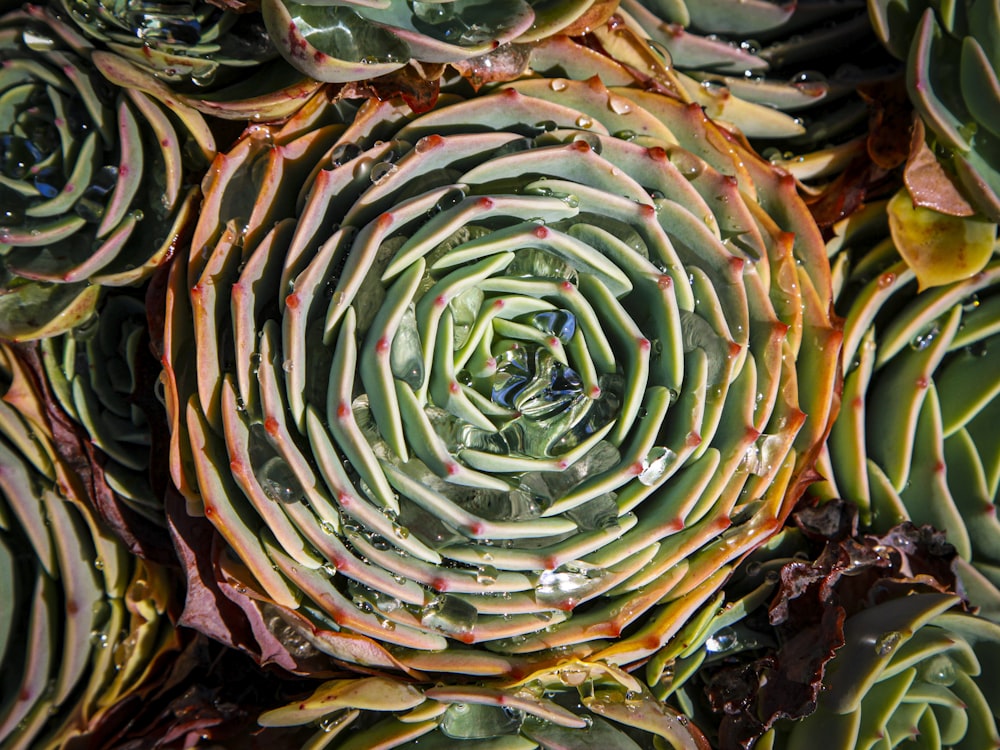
x,y
483,388
92,187
471,377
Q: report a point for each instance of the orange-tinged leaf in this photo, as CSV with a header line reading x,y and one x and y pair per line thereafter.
x,y
373,693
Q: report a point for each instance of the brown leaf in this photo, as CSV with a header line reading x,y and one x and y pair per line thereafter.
x,y
889,117
599,12
807,615
927,181
85,461
416,84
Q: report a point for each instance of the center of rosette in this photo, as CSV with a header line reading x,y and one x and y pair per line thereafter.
x,y
542,407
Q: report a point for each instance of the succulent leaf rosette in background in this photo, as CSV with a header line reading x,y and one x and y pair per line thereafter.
x,y
339,41
193,54
187,42
776,70
510,382
101,378
916,438
950,52
83,623
857,639
93,191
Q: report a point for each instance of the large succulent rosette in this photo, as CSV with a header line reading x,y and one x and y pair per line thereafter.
x,y
951,57
83,625
93,191
916,438
352,40
508,382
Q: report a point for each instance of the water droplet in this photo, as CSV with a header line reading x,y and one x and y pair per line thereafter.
x,y
557,84
205,76
939,670
886,643
619,104
568,584
925,337
572,676
716,89
37,40
486,574
381,171
598,513
449,615
655,464
273,473
344,153
406,356
584,122
722,641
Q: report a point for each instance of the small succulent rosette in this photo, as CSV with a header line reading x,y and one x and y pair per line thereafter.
x,y
188,43
508,382
856,639
951,58
355,40
93,191
916,437
103,376
577,704
776,70
219,61
83,623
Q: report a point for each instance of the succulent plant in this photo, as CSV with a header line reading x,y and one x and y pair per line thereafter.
x,y
951,75
214,60
577,705
915,438
100,381
775,70
92,183
182,42
359,39
497,387
910,670
858,639
83,623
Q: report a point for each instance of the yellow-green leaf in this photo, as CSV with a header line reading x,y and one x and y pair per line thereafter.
x,y
939,248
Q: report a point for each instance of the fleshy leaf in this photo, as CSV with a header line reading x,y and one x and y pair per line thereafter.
x,y
939,248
